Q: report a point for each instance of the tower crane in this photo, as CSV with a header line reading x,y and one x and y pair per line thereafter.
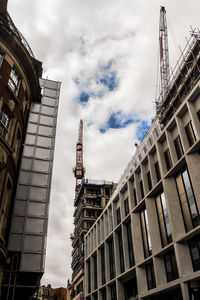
x,y
79,169
164,53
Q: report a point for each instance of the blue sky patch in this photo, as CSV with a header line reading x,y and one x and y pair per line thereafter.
x,y
104,81
118,120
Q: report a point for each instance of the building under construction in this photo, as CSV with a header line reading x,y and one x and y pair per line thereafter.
x,y
91,196
146,242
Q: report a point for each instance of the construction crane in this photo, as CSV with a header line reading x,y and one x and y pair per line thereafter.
x,y
79,169
164,53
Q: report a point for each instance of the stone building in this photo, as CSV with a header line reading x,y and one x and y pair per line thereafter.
x,y
146,242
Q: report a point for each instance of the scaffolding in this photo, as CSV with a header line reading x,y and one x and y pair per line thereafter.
x,y
183,78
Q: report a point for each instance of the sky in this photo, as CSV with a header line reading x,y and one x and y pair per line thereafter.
x,y
105,53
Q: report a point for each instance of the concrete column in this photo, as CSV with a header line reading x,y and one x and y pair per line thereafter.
x,y
120,290
159,268
130,195
183,259
171,145
121,201
125,247
137,238
193,160
182,134
107,262
152,170
161,159
194,118
185,291
137,188
116,254
141,280
173,207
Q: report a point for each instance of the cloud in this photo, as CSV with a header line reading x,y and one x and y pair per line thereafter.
x,y
104,53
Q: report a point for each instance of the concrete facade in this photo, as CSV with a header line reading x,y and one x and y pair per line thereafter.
x,y
146,242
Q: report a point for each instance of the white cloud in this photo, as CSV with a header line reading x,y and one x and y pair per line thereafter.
x,y
73,39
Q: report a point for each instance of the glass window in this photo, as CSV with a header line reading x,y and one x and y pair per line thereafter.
x,y
89,276
149,180
150,276
15,242
145,233
141,189
130,244
168,159
1,57
103,273
32,128
49,101
95,270
111,259
190,133
36,209
44,141
187,200
18,224
44,130
113,294
163,219
34,225
37,193
32,243
33,118
178,147
170,266
130,289
35,107
121,255
41,165
26,163
157,168
30,262
46,110
30,139
39,179
194,245
14,80
126,206
22,192
50,93
20,208
24,177
118,215
46,120
28,151
42,153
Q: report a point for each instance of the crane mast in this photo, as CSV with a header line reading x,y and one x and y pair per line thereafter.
x,y
79,169
164,53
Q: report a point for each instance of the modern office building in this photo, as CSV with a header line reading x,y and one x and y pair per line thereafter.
x,y
146,242
89,201
28,233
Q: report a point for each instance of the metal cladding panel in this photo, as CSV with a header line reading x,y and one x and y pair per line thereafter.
x,y
30,214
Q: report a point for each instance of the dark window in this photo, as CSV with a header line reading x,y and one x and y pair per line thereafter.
x,y
1,57
126,206
103,294
141,189
145,233
168,159
198,113
170,266
130,244
190,133
194,245
187,200
130,289
111,259
79,288
118,215
95,297
103,274
4,123
134,197
178,147
107,192
113,293
89,277
150,276
163,218
157,171
14,80
121,255
95,270
149,180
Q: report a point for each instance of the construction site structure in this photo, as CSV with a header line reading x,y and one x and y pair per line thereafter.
x,y
79,170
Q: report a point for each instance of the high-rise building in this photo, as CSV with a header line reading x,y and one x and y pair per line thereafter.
x,y
26,158
89,201
146,242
